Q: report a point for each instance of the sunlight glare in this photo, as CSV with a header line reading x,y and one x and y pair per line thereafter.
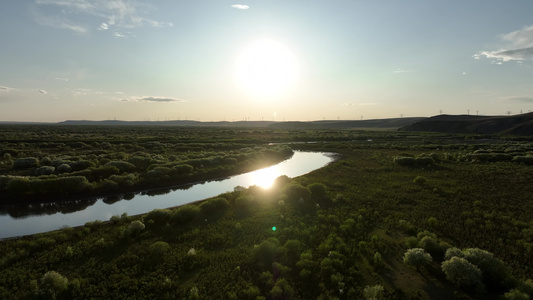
x,y
266,69
264,177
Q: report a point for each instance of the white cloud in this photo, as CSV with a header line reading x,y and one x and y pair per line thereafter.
x,y
399,71
61,78
82,92
359,104
107,13
240,6
43,92
6,89
152,99
519,47
526,99
103,26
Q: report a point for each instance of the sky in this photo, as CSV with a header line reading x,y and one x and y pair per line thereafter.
x,y
279,60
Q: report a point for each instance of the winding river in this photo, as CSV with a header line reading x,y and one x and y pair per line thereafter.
x,y
19,220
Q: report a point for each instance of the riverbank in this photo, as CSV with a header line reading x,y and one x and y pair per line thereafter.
x,y
30,219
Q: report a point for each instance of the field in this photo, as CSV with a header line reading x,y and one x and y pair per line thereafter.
x,y
346,231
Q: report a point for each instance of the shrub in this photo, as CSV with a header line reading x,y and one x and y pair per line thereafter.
x,y
461,272
25,163
494,271
159,249
420,180
452,252
404,161
318,191
134,228
214,205
185,214
516,294
282,290
528,160
182,170
44,170
431,246
123,166
127,180
265,253
244,203
52,284
373,292
416,257
45,161
295,192
64,168
160,217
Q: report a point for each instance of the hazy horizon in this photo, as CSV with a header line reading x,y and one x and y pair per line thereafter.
x,y
263,60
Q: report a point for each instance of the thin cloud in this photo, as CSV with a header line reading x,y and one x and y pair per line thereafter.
x,y
83,92
519,47
43,92
526,99
400,71
103,26
152,99
240,6
6,89
106,13
359,104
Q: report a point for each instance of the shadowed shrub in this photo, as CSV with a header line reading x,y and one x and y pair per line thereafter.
x,y
25,163
185,214
214,205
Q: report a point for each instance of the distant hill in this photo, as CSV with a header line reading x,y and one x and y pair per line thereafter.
x,y
374,124
514,125
169,123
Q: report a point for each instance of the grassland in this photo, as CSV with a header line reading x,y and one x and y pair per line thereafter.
x,y
340,232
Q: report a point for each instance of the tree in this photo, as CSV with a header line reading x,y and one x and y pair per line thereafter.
x,y
451,252
52,284
282,290
461,272
373,292
416,257
318,192
494,271
516,294
134,228
378,260
265,253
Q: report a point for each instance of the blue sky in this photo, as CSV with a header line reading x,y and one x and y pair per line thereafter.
x,y
299,60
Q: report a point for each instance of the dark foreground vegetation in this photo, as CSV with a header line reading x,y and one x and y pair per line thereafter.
x,y
398,216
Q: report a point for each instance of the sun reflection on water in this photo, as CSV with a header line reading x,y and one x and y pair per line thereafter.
x,y
264,177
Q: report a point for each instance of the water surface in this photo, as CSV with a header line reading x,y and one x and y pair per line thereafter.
x,y
30,219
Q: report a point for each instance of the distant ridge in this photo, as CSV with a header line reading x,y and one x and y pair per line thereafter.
x,y
169,123
511,125
376,124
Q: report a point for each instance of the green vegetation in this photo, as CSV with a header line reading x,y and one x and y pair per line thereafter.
x,y
455,223
102,160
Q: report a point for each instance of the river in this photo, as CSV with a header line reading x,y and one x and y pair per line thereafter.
x,y
19,220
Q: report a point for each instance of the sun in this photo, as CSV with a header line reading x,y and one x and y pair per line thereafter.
x,y
266,69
